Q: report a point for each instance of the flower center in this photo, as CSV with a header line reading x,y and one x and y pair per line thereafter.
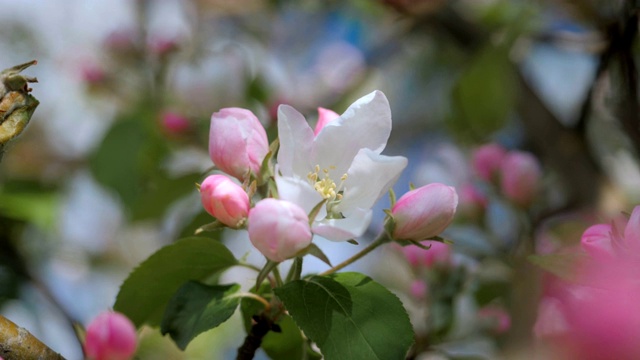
x,y
326,187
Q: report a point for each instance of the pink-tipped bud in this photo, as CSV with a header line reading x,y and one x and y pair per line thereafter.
x,y
439,254
520,175
237,142
424,212
225,200
596,241
325,116
495,319
110,336
486,160
279,229
174,123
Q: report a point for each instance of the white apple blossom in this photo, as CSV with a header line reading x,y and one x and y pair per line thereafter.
x,y
341,164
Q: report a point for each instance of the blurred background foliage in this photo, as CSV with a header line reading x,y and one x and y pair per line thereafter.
x,y
105,173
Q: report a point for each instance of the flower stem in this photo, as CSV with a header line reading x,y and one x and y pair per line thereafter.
x,y
381,239
267,305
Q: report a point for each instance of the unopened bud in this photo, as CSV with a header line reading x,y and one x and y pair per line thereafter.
x,y
424,212
237,142
110,336
224,200
279,229
520,177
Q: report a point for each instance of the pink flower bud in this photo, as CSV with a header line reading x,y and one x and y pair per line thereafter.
x,y
496,318
225,200
174,123
438,254
486,160
325,116
596,241
520,174
110,336
279,229
424,212
237,142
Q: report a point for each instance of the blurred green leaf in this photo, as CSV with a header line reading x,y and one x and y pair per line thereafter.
x,y
163,192
116,164
285,345
485,94
145,293
348,315
37,207
563,265
196,308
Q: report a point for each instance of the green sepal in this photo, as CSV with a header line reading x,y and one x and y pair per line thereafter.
x,y
270,265
295,270
216,225
314,250
353,242
314,212
392,197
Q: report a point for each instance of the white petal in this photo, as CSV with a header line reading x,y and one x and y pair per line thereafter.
x,y
296,139
344,229
301,193
365,124
369,177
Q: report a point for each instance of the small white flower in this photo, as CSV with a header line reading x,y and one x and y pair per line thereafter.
x,y
341,164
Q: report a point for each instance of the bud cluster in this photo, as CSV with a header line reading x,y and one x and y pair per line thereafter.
x,y
517,173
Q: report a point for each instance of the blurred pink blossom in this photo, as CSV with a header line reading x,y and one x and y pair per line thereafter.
x,y
110,336
620,239
520,177
497,318
174,123
472,201
487,159
418,289
438,255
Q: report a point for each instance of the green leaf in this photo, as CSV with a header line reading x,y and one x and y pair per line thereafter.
x,y
37,207
196,308
155,200
485,94
145,293
563,265
286,345
116,164
349,316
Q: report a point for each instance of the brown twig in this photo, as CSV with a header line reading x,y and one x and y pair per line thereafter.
x,y
16,343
